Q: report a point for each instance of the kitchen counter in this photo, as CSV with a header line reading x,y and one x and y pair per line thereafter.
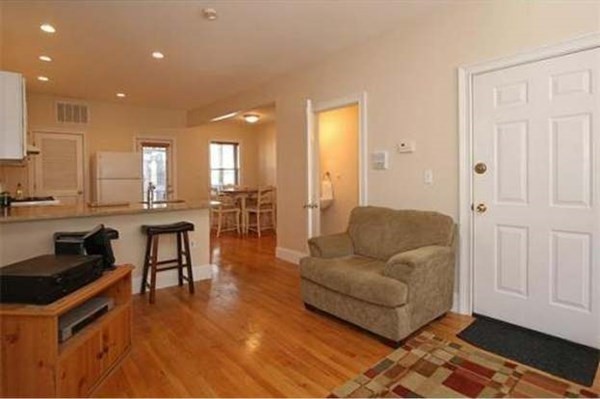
x,y
26,232
50,212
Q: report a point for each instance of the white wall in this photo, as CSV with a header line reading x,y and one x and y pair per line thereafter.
x,y
410,76
267,154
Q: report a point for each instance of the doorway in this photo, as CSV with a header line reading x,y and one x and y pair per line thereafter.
x,y
158,166
534,231
336,162
58,170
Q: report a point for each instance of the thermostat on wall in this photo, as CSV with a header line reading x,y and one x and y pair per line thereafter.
x,y
379,160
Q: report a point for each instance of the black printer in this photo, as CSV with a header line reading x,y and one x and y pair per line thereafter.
x,y
44,279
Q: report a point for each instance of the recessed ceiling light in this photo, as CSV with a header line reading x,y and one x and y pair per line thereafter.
x,y
45,58
226,116
47,28
209,13
158,55
43,78
121,95
251,118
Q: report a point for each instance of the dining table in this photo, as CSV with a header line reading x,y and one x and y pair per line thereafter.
x,y
241,194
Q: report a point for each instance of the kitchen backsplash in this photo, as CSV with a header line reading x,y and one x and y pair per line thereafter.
x,y
11,175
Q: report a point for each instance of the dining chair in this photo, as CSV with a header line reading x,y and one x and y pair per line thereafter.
x,y
264,205
222,208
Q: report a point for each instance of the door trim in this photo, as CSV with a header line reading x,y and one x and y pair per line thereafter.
x,y
314,107
172,142
466,75
31,167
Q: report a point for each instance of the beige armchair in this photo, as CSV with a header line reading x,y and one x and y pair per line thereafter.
x,y
390,273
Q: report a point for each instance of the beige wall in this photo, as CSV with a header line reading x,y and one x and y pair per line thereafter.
x,y
410,76
193,155
338,155
267,154
114,126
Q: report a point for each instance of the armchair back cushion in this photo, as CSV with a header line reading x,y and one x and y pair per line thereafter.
x,y
382,232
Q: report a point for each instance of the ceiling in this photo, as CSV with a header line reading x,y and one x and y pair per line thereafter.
x,y
103,47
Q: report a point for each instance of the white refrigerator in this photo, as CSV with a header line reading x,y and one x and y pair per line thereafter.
x,y
117,177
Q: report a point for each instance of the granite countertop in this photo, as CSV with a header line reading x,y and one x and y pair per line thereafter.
x,y
49,212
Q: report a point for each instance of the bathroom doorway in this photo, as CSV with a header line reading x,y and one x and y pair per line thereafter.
x,y
336,172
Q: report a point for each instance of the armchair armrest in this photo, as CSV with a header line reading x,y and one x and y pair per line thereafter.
x,y
331,246
405,266
428,273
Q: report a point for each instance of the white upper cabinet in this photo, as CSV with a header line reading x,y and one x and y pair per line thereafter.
x,y
13,130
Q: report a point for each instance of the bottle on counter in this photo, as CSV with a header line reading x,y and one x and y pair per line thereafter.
x,y
19,191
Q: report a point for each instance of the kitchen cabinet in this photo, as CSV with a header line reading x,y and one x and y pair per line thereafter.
x,y
13,117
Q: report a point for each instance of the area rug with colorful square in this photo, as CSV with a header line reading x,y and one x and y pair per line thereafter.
x,y
429,366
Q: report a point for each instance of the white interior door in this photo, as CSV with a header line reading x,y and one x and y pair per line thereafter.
x,y
59,168
312,201
536,247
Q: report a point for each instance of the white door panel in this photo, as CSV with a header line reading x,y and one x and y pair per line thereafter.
x,y
537,127
58,169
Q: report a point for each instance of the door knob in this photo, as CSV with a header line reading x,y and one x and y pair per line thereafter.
x,y
480,168
481,208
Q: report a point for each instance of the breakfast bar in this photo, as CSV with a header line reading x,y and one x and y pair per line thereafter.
x,y
26,232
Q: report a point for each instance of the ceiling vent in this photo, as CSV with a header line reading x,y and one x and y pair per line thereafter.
x,y
72,112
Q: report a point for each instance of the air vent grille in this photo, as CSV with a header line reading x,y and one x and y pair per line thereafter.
x,y
72,112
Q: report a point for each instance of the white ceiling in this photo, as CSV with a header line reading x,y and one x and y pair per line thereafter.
x,y
102,47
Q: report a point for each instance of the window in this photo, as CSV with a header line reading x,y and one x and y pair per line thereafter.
x,y
224,164
156,167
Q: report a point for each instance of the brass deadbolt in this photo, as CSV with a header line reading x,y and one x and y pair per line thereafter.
x,y
481,208
480,168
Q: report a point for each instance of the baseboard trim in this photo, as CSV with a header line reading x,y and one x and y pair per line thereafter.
x,y
169,278
455,305
289,255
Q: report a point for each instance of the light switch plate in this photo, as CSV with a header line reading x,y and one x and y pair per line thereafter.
x,y
379,160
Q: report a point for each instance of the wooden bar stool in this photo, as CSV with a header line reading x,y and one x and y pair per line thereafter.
x,y
151,262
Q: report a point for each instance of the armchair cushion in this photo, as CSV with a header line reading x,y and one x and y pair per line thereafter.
x,y
355,276
331,246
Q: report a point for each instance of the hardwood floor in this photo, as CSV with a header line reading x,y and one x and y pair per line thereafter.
x,y
245,333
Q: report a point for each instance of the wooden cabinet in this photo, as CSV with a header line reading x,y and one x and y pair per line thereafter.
x,y
34,363
12,116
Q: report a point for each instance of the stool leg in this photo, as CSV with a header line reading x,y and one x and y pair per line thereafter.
x,y
146,264
179,260
153,267
188,258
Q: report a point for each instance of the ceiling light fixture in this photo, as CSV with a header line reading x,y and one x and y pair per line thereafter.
x,y
158,55
45,58
47,28
121,95
251,118
209,13
226,116
43,78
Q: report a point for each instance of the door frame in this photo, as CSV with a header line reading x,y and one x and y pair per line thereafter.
x,y
466,74
138,140
48,130
312,109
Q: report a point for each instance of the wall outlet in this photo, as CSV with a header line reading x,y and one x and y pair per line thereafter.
x,y
406,146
